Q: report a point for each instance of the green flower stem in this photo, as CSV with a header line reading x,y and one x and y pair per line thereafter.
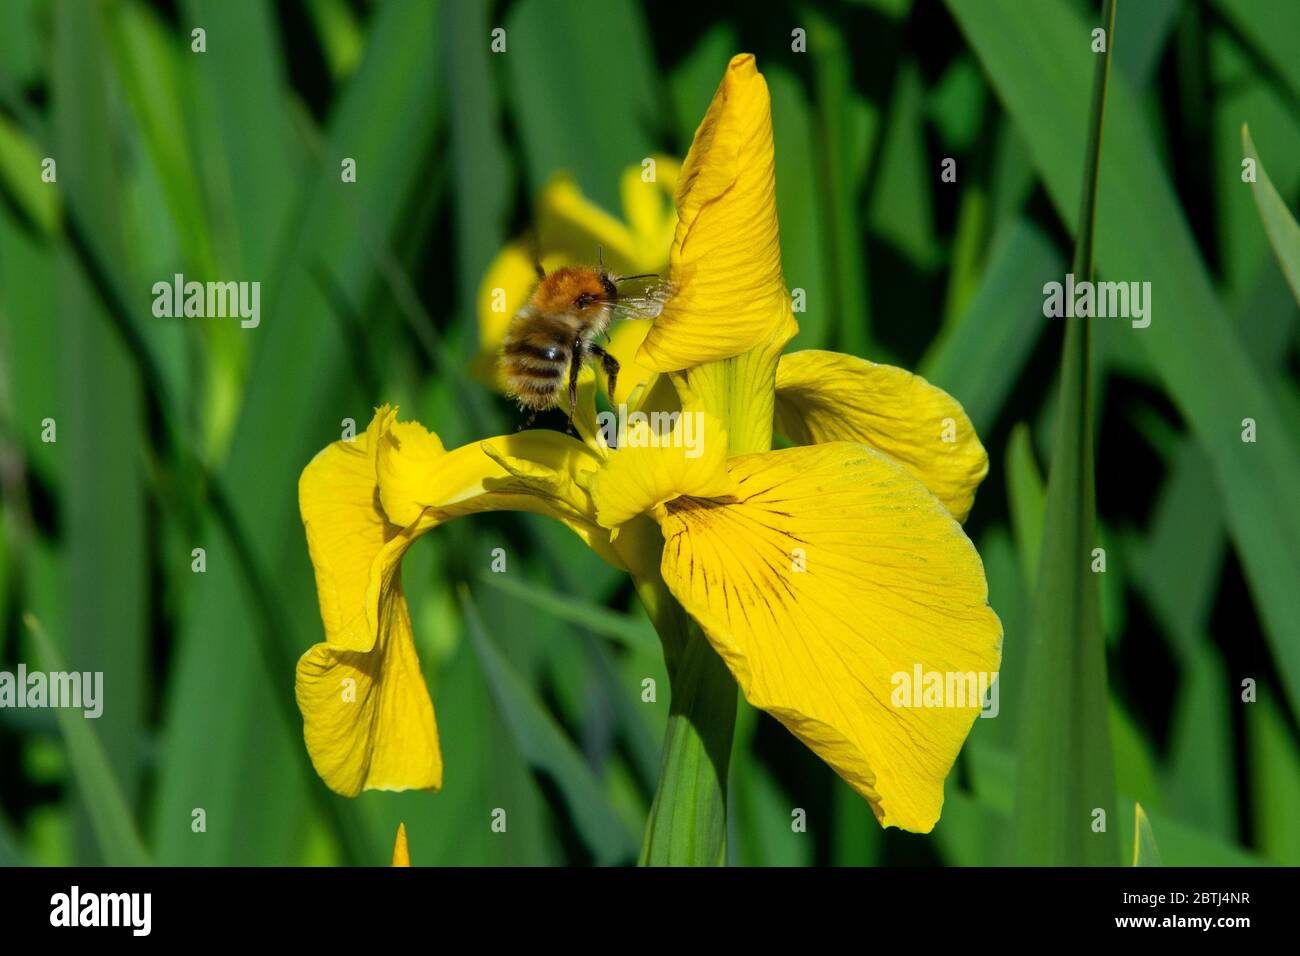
x,y
687,825
688,819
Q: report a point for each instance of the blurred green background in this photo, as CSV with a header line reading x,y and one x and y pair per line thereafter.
x,y
175,434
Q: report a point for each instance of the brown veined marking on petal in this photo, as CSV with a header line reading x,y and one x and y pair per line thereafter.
x,y
694,510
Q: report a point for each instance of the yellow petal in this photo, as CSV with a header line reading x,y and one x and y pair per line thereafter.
x,y
648,209
726,257
368,721
367,718
625,340
660,458
889,582
826,396
401,852
346,529
539,471
570,223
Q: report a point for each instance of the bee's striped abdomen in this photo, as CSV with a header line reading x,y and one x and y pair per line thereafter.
x,y
535,357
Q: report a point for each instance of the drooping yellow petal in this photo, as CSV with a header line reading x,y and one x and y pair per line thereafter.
x,y
367,718
661,457
826,396
830,574
725,262
346,529
401,852
368,721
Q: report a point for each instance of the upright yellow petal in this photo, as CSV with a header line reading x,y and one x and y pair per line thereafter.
x,y
826,396
367,718
726,255
832,572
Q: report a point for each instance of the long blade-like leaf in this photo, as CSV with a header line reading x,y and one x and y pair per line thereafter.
x,y
114,828
1065,798
1283,233
1037,56
549,751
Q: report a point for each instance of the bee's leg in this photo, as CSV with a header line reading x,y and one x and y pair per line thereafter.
x,y
527,422
575,366
610,365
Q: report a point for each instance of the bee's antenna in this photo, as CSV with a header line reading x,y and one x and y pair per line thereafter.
x,y
600,258
535,247
644,275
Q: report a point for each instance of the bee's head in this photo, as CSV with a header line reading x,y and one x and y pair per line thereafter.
x,y
575,288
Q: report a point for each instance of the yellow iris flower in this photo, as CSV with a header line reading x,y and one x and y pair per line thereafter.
x,y
818,572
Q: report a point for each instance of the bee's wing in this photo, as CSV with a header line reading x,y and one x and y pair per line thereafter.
x,y
642,298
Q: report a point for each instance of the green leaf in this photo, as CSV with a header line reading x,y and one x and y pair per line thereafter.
x,y
1038,58
1283,233
1182,845
549,752
981,356
480,165
1176,565
1269,29
845,126
1135,766
902,203
254,610
1201,778
103,493
803,233
687,825
762,812
1027,499
340,36
1275,779
566,121
632,632
115,831
1066,767
20,177
1145,852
